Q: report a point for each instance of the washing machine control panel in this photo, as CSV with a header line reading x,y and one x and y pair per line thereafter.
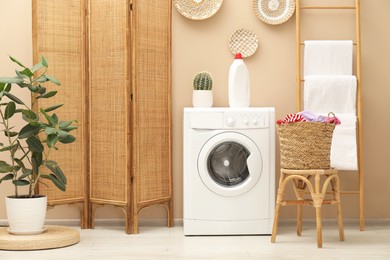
x,y
246,120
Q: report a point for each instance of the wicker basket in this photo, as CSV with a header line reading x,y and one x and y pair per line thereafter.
x,y
305,145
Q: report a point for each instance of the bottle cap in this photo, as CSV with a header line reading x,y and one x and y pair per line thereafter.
x,y
238,56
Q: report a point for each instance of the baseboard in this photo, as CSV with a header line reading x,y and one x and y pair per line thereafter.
x,y
179,222
347,222
105,222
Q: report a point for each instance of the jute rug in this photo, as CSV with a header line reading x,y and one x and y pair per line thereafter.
x,y
52,237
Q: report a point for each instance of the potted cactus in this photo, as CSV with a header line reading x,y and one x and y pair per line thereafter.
x,y
202,95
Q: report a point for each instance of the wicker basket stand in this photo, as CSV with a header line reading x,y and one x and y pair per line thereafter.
x,y
305,155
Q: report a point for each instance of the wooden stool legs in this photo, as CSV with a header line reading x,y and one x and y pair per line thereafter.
x,y
318,192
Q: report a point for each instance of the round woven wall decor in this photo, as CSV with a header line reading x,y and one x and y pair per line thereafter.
x,y
274,11
243,41
197,9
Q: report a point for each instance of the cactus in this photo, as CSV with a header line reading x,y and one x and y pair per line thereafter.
x,y
203,81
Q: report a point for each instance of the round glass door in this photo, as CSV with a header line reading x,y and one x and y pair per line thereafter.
x,y
227,164
230,164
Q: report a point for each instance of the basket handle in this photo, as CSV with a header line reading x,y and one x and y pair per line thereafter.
x,y
329,117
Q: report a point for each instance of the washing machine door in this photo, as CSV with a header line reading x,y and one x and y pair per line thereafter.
x,y
230,164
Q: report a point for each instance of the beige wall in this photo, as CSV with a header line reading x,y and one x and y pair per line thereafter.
x,y
203,45
15,40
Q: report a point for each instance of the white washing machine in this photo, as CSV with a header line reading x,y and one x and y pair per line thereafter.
x,y
229,171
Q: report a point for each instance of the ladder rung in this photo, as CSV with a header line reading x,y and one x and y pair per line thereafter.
x,y
341,192
302,44
328,7
349,192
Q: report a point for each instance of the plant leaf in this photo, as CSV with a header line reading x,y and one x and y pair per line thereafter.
x,y
5,167
11,80
25,174
54,117
63,124
17,62
53,79
54,168
68,139
44,62
48,94
20,75
37,66
27,72
53,107
9,110
8,87
60,174
55,180
20,163
48,118
32,88
41,79
21,182
62,133
51,140
34,144
41,90
28,130
29,115
70,128
50,130
36,160
9,176
10,133
7,148
13,98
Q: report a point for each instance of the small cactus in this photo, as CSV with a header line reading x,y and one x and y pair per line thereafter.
x,y
203,81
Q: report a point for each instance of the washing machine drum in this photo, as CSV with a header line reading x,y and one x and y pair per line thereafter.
x,y
230,164
227,164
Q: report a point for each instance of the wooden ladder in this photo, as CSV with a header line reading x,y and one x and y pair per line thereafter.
x,y
299,85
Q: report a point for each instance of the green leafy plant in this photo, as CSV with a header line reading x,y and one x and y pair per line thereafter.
x,y
29,148
203,81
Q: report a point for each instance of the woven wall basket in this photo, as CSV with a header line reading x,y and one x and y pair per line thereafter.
x,y
305,145
243,41
197,9
274,11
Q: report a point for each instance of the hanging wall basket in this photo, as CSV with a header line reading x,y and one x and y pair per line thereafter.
x,y
274,11
197,9
243,41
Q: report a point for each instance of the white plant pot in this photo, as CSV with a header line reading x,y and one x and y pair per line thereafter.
x,y
202,98
26,216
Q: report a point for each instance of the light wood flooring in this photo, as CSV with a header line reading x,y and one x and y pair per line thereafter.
x,y
111,243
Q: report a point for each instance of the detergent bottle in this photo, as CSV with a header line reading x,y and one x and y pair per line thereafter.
x,y
239,92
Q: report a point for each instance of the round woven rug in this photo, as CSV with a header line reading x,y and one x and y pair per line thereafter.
x,y
52,237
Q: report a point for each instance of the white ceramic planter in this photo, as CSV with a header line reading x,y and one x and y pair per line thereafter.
x,y
26,216
202,98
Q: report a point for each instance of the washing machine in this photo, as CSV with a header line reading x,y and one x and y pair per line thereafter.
x,y
229,171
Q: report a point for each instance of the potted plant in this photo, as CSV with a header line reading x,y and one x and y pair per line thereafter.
x,y
202,95
28,149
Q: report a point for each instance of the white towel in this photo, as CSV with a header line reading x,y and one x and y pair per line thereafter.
x,y
335,94
328,58
343,153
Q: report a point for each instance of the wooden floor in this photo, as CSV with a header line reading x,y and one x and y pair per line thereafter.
x,y
111,243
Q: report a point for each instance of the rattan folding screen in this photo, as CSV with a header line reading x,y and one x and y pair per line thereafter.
x,y
59,35
302,5
113,58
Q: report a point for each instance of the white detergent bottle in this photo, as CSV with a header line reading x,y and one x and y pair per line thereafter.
x,y
239,92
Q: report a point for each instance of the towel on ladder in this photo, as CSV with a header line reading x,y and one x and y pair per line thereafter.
x,y
330,87
330,93
328,58
343,153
